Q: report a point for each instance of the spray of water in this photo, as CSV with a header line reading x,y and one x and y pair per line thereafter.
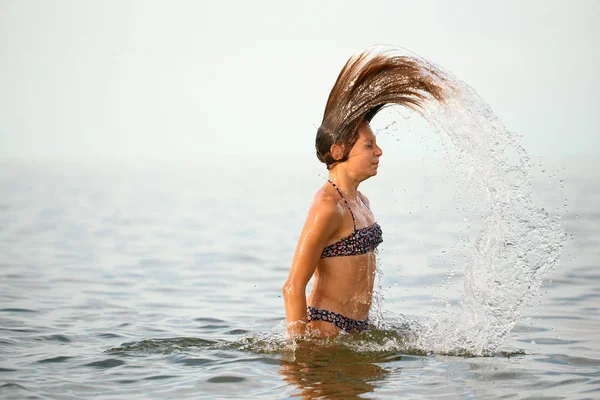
x,y
518,244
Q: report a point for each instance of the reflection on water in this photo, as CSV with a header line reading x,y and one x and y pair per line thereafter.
x,y
333,371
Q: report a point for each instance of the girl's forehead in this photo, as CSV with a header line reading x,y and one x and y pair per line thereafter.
x,y
366,134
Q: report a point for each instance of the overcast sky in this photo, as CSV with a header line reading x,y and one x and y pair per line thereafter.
x,y
204,79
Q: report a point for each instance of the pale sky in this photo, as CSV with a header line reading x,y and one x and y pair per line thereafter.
x,y
207,80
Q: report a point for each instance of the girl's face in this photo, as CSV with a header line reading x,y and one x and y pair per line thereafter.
x,y
364,156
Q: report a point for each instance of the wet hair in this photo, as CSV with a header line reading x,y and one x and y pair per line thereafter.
x,y
369,81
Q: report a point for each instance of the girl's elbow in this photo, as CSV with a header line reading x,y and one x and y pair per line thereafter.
x,y
289,288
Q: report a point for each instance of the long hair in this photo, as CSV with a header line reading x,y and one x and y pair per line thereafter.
x,y
369,81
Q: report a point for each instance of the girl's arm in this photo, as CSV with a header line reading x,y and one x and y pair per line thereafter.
x,y
325,217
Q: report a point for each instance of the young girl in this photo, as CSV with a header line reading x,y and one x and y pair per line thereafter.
x,y
338,241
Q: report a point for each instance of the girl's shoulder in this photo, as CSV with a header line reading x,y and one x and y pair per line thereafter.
x,y
327,204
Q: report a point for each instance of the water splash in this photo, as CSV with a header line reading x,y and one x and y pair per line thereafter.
x,y
518,244
161,346
375,345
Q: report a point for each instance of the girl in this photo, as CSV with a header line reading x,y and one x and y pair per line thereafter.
x,y
338,241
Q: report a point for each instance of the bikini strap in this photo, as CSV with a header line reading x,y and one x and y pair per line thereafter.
x,y
343,198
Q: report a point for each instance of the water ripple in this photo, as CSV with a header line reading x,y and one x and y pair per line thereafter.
x,y
159,377
106,363
55,338
55,359
570,360
226,379
18,310
160,346
192,362
549,341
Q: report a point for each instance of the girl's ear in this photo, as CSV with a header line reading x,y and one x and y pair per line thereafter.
x,y
337,151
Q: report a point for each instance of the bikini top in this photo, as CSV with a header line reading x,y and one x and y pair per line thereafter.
x,y
360,241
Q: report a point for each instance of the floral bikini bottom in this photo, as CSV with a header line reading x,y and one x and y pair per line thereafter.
x,y
344,323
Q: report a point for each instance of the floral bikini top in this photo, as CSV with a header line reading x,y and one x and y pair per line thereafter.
x,y
360,241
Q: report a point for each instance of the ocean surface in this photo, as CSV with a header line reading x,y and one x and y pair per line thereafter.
x,y
163,280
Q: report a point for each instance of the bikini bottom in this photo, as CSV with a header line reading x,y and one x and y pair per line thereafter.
x,y
344,323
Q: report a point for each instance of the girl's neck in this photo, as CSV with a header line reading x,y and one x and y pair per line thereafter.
x,y
344,181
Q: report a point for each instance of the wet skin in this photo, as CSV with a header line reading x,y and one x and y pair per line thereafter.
x,y
341,284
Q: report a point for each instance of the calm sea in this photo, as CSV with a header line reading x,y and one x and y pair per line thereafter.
x,y
163,281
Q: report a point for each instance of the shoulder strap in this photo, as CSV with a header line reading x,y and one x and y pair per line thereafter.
x,y
343,198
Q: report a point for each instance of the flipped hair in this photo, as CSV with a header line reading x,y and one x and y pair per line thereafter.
x,y
368,82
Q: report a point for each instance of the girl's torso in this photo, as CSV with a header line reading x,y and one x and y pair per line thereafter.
x,y
345,275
